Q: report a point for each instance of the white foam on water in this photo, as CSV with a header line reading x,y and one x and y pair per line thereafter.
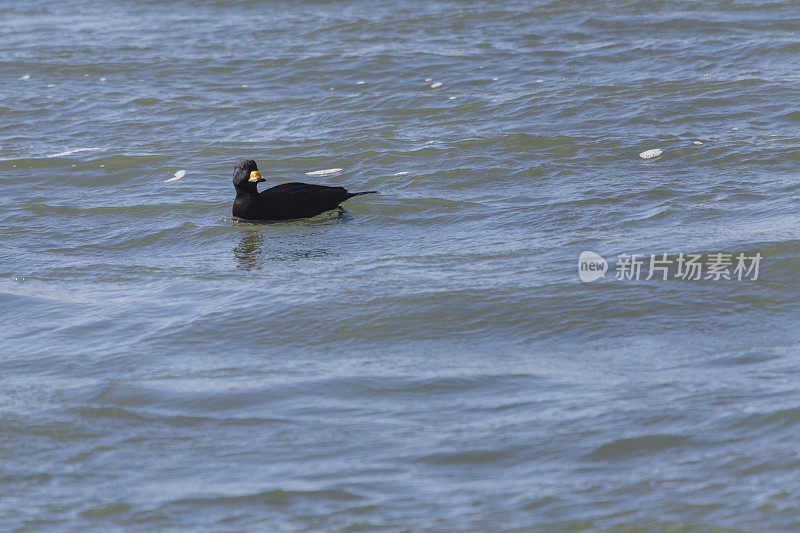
x,y
650,154
70,152
326,172
102,79
428,79
735,129
178,175
539,81
331,89
697,143
245,86
452,98
50,85
495,79
401,173
435,85
25,77
360,82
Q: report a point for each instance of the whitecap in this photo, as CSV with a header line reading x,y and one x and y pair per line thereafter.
x,y
26,77
435,85
326,172
429,79
697,143
401,173
70,152
650,154
360,82
178,175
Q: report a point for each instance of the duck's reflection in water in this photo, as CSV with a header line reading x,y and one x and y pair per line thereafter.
x,y
248,251
255,250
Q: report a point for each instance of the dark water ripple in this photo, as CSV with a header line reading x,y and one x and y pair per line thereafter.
x,y
430,361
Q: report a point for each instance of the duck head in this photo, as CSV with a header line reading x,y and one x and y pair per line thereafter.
x,y
246,176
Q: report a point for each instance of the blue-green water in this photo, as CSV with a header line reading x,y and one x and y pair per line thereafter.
x,y
431,361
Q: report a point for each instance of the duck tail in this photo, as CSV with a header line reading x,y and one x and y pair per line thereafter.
x,y
362,193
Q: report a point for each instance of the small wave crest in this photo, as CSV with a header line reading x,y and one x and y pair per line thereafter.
x,y
70,152
325,172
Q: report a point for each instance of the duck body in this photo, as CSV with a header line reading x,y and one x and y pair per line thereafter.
x,y
282,202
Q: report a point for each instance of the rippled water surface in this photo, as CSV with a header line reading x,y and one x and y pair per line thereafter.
x,y
430,360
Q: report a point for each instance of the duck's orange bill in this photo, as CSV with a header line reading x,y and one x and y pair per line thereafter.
x,y
255,176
